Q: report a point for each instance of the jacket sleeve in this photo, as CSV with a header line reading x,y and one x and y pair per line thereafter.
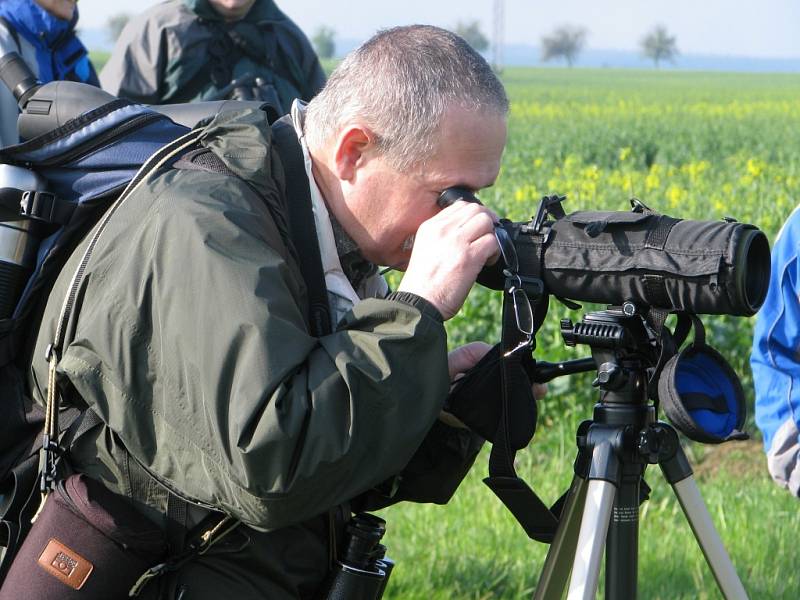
x,y
775,359
433,474
191,345
136,67
298,49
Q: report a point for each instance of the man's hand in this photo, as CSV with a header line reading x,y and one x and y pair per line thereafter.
x,y
463,358
449,251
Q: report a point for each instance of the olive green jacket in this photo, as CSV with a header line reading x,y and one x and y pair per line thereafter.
x,y
190,341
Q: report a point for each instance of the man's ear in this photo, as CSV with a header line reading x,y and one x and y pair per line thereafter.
x,y
352,149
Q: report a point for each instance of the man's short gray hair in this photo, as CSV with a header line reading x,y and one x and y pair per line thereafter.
x,y
399,84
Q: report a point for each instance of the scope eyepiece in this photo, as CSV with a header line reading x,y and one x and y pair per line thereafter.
x,y
18,77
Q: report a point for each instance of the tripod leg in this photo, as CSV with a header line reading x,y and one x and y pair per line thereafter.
x,y
553,580
678,473
706,535
591,540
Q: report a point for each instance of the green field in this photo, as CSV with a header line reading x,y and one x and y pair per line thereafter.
x,y
692,145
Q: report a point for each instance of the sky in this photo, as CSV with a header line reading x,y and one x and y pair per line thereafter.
x,y
756,28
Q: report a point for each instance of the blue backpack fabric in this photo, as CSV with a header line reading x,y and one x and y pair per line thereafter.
x,y
87,163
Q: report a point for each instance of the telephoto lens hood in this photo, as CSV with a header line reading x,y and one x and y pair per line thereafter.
x,y
652,260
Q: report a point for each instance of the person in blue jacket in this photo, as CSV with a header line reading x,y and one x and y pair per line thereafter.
x,y
775,360
43,33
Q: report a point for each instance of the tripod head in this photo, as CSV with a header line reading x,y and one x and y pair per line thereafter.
x,y
700,393
623,348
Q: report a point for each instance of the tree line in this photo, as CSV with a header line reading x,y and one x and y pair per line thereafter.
x,y
564,43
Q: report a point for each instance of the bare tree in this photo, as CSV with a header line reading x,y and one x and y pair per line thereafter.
x,y
565,42
116,23
471,32
659,45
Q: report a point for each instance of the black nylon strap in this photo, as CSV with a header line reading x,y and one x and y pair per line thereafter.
x,y
38,205
657,238
655,291
46,206
655,286
303,231
536,519
656,318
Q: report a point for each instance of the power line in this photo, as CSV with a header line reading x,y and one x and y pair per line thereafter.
x,y
498,35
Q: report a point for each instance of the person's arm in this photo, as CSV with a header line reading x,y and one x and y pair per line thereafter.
x,y
775,360
135,69
298,50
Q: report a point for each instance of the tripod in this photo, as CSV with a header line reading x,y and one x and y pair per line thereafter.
x,y
614,449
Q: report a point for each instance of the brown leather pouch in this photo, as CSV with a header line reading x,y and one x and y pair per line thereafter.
x,y
88,543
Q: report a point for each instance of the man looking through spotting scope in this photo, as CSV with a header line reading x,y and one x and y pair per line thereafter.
x,y
195,337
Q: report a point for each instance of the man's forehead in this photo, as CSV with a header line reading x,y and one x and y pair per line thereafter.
x,y
468,155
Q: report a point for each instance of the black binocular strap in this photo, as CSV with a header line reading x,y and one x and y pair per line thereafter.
x,y
302,230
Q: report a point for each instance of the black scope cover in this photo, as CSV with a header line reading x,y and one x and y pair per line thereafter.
x,y
698,267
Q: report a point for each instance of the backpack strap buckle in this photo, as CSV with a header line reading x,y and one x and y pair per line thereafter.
x,y
45,206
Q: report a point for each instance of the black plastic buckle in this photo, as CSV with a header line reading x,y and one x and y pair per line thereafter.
x,y
51,450
532,286
548,205
38,205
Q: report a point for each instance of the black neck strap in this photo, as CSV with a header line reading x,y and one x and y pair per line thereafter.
x,y
302,230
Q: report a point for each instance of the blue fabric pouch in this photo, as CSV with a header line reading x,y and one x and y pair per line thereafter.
x,y
701,394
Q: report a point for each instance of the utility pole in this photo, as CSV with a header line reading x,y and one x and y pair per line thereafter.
x,y
498,35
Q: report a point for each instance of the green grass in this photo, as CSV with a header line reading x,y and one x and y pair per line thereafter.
x,y
99,58
692,145
473,549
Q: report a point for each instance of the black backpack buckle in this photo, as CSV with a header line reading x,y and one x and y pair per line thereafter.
x,y
41,205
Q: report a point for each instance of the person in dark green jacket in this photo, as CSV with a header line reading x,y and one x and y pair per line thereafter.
x,y
192,50
190,336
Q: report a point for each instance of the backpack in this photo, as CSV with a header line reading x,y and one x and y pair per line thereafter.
x,y
87,164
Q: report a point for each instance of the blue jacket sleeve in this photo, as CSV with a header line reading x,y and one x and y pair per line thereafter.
x,y
775,359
